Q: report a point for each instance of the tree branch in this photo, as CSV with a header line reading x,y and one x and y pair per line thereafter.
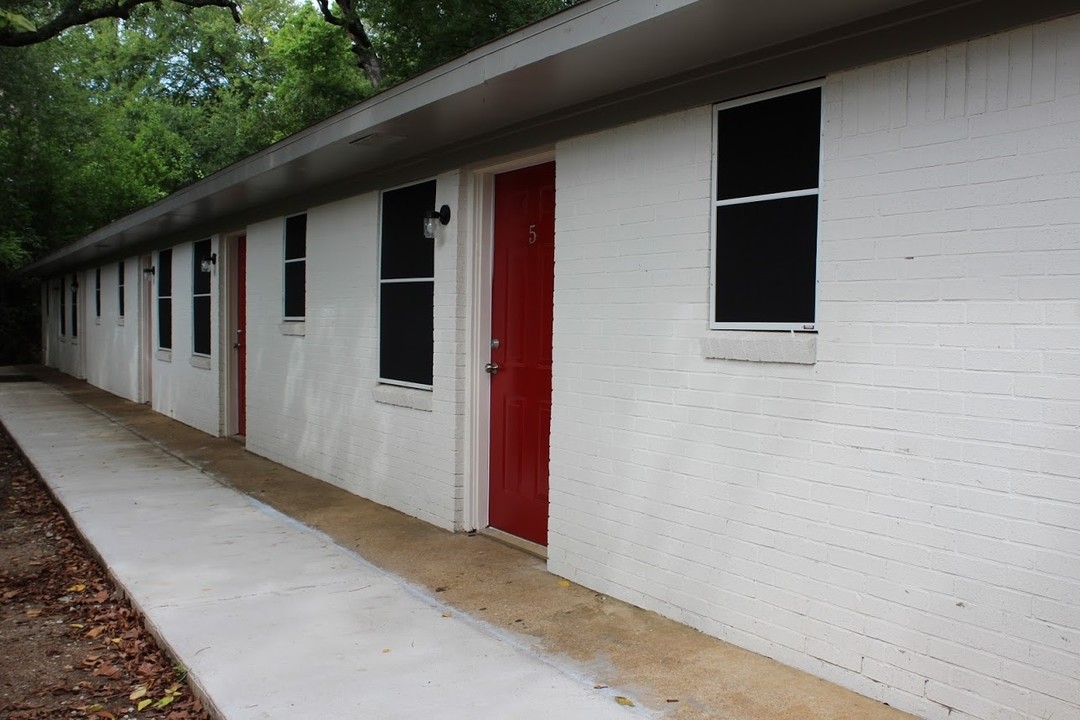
x,y
73,13
349,20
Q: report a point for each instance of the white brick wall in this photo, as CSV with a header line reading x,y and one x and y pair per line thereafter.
x,y
112,351
186,387
65,351
312,398
903,516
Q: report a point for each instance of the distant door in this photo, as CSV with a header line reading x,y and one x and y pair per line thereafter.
x,y
146,330
521,315
240,341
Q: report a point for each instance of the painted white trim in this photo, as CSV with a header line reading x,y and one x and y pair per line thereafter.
x,y
479,201
748,100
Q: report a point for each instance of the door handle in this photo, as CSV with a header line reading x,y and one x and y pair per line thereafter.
x,y
492,368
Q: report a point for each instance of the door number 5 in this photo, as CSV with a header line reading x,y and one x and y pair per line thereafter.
x,y
532,234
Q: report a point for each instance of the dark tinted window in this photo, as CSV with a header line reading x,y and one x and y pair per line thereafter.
x,y
406,299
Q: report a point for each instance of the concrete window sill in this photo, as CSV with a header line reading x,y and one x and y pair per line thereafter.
x,y
292,327
402,397
200,361
164,355
761,346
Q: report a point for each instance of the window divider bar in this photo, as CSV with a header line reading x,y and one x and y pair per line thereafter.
x,y
769,196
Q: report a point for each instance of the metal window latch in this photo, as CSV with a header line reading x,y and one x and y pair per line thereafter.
x,y
491,368
237,343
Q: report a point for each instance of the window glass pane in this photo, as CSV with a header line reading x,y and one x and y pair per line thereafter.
x,y
165,323
406,324
200,281
74,306
63,307
200,340
295,288
766,261
406,253
296,237
97,292
164,273
769,146
120,287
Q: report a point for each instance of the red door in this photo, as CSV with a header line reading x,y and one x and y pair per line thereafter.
x,y
521,312
241,329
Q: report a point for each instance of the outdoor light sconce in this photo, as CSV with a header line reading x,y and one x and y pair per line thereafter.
x,y
209,263
148,272
442,215
74,284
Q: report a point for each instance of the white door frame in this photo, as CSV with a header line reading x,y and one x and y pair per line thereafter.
x,y
480,202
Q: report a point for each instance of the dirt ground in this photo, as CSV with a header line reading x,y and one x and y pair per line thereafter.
x,y
72,645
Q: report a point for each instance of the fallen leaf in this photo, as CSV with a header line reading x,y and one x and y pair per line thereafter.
x,y
93,708
564,583
164,702
36,612
77,587
143,703
94,632
105,715
386,650
624,701
10,594
137,693
447,614
77,626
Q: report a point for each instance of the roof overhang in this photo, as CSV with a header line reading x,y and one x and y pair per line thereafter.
x,y
599,64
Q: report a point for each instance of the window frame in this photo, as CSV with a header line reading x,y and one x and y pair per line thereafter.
x,y
63,306
97,293
418,280
163,300
286,261
716,203
120,281
202,250
74,306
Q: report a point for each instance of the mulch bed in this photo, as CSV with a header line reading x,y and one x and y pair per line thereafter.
x,y
73,647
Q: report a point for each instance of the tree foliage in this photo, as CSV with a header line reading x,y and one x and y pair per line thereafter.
x,y
23,22
111,114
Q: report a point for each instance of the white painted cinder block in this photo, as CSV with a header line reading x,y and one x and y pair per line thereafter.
x,y
186,387
314,401
902,514
112,349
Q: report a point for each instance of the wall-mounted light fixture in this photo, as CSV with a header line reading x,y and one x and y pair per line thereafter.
x,y
208,264
148,272
74,284
442,215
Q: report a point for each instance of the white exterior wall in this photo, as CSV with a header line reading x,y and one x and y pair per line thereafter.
x,y
313,400
902,516
185,386
65,352
112,342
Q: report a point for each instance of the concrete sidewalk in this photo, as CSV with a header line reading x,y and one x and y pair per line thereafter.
x,y
278,605
272,619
